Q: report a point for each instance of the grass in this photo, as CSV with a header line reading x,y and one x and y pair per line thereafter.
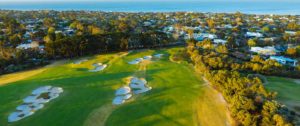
x,y
287,91
176,92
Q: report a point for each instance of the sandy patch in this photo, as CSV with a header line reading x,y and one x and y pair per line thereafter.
x,y
14,77
99,116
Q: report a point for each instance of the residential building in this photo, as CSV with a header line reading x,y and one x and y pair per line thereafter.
x,y
284,60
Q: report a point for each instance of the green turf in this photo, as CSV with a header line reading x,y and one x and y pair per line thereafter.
x,y
169,103
288,91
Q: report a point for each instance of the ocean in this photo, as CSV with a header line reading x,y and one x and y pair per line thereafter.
x,y
256,7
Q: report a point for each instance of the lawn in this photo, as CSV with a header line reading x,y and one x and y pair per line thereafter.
x,y
87,98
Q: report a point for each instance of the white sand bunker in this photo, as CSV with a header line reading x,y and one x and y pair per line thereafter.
x,y
158,55
35,102
139,85
136,61
80,61
122,94
136,86
139,60
147,57
98,67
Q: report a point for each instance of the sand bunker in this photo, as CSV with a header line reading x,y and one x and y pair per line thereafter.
x,y
147,57
98,67
136,61
139,85
80,61
139,60
35,102
136,86
122,94
158,55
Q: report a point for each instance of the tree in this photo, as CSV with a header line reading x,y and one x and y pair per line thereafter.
x,y
94,30
124,43
15,40
231,42
222,49
266,29
48,22
291,51
210,23
251,43
292,26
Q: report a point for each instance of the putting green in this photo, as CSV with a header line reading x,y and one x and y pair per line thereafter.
x,y
87,98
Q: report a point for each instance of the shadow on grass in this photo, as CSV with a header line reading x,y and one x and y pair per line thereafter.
x,y
82,69
131,114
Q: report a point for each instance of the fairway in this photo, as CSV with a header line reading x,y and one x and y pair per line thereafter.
x,y
87,98
288,91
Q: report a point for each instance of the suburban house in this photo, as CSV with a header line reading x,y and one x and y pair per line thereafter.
x,y
284,60
201,36
290,32
268,50
220,41
253,34
33,44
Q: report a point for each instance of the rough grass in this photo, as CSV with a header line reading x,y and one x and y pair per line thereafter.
x,y
87,96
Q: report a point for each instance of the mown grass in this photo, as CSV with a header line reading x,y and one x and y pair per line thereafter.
x,y
176,90
287,92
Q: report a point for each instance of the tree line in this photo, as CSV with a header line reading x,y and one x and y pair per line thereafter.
x,y
250,104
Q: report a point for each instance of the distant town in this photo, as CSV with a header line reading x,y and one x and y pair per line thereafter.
x,y
274,37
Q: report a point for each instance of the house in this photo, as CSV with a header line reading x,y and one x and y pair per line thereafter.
x,y
290,32
29,45
268,20
58,31
228,26
147,23
284,60
254,34
268,50
219,41
281,48
202,36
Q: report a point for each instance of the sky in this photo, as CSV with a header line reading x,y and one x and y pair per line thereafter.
x,y
132,0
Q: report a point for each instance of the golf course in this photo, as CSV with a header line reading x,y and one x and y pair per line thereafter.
x,y
179,96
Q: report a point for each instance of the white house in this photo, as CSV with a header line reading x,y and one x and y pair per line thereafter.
x,y
201,36
290,32
284,60
254,34
220,41
268,50
268,19
228,26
